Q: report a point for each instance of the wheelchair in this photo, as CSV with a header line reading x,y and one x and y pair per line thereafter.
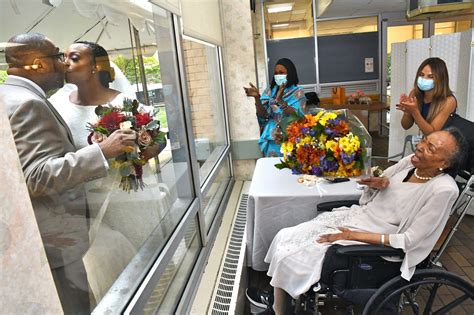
x,y
358,275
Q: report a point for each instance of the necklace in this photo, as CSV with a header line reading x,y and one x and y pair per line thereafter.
x,y
421,177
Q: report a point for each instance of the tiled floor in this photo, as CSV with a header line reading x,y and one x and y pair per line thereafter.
x,y
458,257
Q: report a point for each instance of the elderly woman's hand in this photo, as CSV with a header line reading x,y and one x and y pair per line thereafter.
x,y
252,91
375,182
329,238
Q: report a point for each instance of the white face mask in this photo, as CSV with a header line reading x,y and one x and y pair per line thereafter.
x,y
280,79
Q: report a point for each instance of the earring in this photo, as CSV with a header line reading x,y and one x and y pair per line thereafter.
x,y
93,71
440,169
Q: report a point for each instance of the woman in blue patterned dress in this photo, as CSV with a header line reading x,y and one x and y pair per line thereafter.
x,y
282,98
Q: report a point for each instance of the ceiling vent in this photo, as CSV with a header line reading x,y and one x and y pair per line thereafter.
x,y
429,8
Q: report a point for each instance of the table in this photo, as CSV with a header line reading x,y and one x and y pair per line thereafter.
x,y
277,200
362,111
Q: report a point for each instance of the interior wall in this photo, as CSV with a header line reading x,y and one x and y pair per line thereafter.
x,y
239,70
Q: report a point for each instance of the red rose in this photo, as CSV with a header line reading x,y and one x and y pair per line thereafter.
x,y
142,119
111,121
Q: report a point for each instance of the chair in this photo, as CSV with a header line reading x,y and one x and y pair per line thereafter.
x,y
359,275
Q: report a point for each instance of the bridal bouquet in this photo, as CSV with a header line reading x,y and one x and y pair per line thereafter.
x,y
322,145
127,116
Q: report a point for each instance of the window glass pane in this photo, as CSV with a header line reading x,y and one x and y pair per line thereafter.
x,y
168,291
452,27
207,109
288,20
213,196
347,26
105,236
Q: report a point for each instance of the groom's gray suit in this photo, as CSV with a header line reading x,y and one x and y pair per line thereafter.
x,y
54,170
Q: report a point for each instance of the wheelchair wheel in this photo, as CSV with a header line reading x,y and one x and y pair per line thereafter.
x,y
429,291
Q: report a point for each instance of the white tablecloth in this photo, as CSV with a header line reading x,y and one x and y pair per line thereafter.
x,y
277,200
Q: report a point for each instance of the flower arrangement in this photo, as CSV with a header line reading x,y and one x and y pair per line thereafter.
x,y
127,116
322,145
358,97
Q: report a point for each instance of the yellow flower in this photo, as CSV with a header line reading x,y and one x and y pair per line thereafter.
x,y
287,147
331,145
303,141
115,164
323,138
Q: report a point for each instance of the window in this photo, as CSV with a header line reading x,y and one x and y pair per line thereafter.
x,y
452,27
212,197
206,102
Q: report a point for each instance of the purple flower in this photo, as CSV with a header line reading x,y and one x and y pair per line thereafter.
x,y
329,132
316,170
347,159
304,130
334,122
312,132
329,166
295,170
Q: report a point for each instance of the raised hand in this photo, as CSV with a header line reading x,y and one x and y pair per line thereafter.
x,y
252,91
118,142
280,91
408,104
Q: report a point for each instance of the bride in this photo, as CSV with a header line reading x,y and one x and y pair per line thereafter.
x,y
120,222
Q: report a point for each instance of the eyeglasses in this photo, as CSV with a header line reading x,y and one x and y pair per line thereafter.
x,y
59,56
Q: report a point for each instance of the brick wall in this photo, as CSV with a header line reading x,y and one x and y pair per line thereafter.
x,y
199,90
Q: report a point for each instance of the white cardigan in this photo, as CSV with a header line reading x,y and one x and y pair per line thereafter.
x,y
419,232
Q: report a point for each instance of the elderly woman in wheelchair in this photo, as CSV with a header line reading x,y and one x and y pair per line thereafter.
x,y
405,209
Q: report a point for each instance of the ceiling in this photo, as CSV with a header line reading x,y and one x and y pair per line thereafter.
x,y
342,8
333,8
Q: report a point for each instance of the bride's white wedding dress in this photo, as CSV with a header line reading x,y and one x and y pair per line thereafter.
x,y
120,221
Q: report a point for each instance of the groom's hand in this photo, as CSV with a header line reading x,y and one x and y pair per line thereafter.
x,y
117,143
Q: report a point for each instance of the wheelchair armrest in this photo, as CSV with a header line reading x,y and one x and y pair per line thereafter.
x,y
369,250
329,205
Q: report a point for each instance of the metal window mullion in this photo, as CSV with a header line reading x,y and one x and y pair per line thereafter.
x,y
185,304
316,52
214,172
148,285
188,122
264,38
226,108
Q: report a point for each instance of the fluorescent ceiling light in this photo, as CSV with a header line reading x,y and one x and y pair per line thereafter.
x,y
283,7
280,25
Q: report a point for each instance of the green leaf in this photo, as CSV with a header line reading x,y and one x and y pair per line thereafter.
x,y
160,137
152,125
282,165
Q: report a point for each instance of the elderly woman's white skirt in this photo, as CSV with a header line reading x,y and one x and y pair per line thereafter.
x,y
296,258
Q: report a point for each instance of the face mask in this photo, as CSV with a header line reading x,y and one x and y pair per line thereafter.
x,y
280,79
425,84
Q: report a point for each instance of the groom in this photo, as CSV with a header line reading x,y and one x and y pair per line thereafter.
x,y
54,170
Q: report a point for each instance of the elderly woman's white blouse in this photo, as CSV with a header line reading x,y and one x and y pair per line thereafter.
x,y
413,214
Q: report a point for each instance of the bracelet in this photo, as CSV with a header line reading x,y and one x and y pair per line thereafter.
x,y
382,239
